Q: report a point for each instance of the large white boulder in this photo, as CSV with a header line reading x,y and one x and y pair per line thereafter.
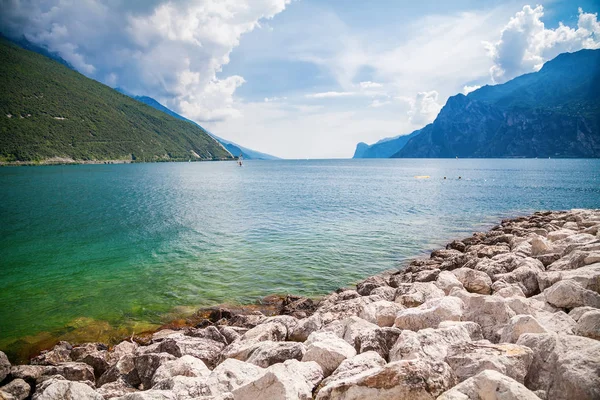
x,y
242,347
470,358
492,313
408,380
355,365
569,294
382,313
54,389
417,293
291,380
474,281
185,366
433,344
328,350
269,353
564,366
518,325
489,385
430,314
446,281
4,366
589,325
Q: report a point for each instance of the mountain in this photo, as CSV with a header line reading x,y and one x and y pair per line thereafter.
x,y
554,112
384,148
234,149
50,111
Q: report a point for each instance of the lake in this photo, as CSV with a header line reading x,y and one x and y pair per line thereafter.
x,y
90,251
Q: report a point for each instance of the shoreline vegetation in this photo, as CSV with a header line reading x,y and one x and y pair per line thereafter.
x,y
69,161
514,310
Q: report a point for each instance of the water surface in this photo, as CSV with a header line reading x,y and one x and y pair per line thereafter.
x,y
93,248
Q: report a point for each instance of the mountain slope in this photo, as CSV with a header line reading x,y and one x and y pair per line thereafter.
x,y
384,148
233,148
554,112
48,110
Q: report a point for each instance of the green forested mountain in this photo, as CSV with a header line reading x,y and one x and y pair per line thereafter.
x,y
48,110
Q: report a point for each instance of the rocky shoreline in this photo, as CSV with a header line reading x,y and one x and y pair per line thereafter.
x,y
512,313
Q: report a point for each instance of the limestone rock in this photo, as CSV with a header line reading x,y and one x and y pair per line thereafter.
x,y
433,344
408,379
490,312
560,234
474,281
354,366
365,287
489,385
577,312
116,389
54,389
147,364
72,371
17,388
385,292
4,366
184,366
569,294
305,327
380,340
509,291
430,314
469,359
564,366
150,395
344,309
60,353
327,350
120,350
351,329
242,347
208,350
383,313
231,374
446,281
291,380
540,245
589,325
123,370
269,353
415,294
518,325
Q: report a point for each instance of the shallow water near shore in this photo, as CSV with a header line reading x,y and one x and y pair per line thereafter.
x,y
92,251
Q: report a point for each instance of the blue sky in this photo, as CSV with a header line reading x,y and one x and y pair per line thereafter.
x,y
304,78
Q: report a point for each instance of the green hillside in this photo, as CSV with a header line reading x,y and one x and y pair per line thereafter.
x,y
48,110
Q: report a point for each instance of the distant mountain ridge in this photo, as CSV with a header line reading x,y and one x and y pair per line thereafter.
x,y
384,148
51,112
235,149
554,112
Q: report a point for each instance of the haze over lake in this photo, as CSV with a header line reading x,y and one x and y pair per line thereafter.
x,y
126,244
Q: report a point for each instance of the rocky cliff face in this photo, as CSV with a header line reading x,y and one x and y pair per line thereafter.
x,y
385,148
551,113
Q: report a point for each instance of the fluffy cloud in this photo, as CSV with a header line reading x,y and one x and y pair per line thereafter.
x,y
525,43
468,89
171,50
424,108
325,95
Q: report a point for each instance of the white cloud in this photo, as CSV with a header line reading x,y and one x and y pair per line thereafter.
x,y
468,89
170,50
370,85
379,103
424,108
325,95
525,43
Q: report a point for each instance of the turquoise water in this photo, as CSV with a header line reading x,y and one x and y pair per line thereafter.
x,y
103,247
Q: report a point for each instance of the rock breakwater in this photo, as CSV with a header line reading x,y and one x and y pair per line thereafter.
x,y
512,313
